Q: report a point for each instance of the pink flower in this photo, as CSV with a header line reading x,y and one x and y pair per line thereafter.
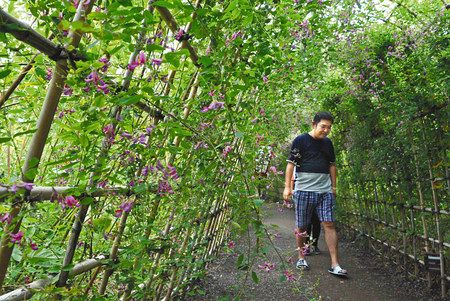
x,y
17,237
300,234
28,186
204,109
267,266
132,65
118,213
102,184
265,79
273,169
289,276
141,58
149,129
231,244
212,93
126,135
262,112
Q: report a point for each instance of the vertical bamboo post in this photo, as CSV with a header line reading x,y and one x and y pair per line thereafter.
x,y
414,241
438,230
114,250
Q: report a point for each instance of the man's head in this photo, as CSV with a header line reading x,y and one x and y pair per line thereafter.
x,y
321,125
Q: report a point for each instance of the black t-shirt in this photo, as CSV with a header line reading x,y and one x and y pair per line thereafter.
x,y
312,155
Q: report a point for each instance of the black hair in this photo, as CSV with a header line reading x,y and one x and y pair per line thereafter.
x,y
322,115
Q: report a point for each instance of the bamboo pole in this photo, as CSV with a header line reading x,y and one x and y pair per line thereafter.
x,y
114,250
39,139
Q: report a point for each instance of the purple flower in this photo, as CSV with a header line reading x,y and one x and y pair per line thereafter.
x,y
216,105
126,206
108,130
262,112
106,64
173,172
28,186
144,171
212,93
102,86
150,129
92,78
265,79
143,139
126,135
164,188
273,169
102,184
231,244
132,65
5,218
156,62
132,183
70,202
204,109
67,90
226,150
49,74
16,238
33,245
181,35
118,213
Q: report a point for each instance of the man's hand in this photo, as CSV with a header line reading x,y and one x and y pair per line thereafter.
x,y
287,193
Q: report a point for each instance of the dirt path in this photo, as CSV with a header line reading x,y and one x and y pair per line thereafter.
x,y
366,281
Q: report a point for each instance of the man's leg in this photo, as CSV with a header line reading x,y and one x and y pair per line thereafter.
x,y
332,242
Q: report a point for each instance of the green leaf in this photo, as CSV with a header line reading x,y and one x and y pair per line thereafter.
x,y
24,133
129,100
5,73
87,201
4,139
255,277
162,3
282,278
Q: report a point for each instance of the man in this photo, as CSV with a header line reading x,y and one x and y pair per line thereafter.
x,y
315,186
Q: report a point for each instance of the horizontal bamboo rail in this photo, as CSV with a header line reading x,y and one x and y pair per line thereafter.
x,y
26,292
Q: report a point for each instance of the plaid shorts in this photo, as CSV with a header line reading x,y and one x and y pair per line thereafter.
x,y
307,201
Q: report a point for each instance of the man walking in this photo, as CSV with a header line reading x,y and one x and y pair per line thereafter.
x,y
315,186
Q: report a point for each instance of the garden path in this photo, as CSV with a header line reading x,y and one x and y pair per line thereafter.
x,y
367,281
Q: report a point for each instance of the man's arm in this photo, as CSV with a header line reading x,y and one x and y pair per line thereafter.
x,y
288,181
333,172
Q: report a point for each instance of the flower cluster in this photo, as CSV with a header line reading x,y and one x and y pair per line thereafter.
x,y
93,79
289,275
300,234
215,105
233,37
226,150
68,202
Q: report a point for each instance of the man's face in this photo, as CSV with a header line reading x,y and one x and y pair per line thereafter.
x,y
321,129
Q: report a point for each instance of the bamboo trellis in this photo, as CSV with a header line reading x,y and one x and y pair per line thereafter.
x,y
203,238
411,223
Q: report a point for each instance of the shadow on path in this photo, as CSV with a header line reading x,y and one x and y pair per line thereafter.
x,y
366,281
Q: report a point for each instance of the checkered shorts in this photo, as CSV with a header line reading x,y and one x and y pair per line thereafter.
x,y
307,201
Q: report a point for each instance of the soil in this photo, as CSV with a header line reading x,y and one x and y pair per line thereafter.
x,y
370,279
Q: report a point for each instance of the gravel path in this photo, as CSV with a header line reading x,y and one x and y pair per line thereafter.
x,y
367,280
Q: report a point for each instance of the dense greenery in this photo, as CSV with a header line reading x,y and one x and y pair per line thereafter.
x,y
381,67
